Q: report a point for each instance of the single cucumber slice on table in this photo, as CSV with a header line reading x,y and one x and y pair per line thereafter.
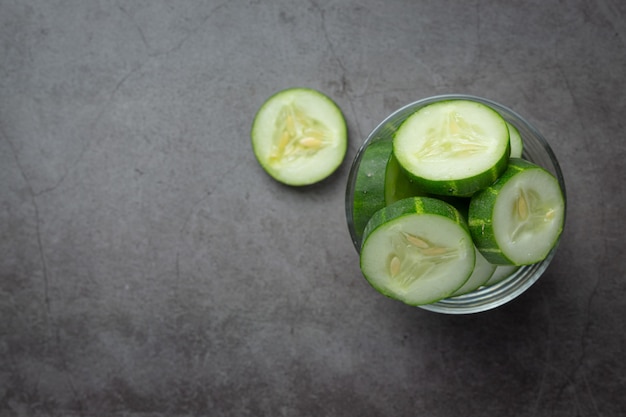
x,y
517,146
453,147
417,250
483,270
518,219
299,136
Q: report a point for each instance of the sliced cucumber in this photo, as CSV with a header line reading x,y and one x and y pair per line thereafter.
x,y
379,182
483,270
453,147
299,136
518,219
369,186
417,250
397,184
517,146
501,272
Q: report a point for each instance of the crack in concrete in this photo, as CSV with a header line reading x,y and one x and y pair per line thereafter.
x,y
193,210
193,31
343,81
586,328
92,126
156,54
579,117
120,83
137,26
44,265
51,327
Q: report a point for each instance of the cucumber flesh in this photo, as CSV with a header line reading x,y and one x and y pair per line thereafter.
x,y
483,270
454,147
397,184
501,272
379,183
417,250
517,146
299,136
519,219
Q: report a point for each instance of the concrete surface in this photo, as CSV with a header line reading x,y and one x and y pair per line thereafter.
x,y
150,268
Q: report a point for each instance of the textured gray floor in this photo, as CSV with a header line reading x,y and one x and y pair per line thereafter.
x,y
149,267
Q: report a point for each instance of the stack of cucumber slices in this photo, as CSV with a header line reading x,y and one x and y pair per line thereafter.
x,y
449,206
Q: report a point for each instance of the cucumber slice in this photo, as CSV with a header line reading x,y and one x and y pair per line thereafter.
x,y
518,219
483,270
397,184
379,183
417,250
369,187
299,136
453,147
501,272
517,146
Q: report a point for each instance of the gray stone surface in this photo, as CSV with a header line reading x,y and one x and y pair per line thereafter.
x,y
150,268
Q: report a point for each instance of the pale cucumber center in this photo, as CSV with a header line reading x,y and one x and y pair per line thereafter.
x,y
453,138
413,257
530,214
297,135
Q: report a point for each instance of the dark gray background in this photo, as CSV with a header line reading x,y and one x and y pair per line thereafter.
x,y
149,267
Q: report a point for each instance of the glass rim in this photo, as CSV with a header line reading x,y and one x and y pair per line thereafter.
x,y
484,298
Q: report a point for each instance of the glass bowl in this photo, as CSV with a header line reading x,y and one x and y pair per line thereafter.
x,y
536,150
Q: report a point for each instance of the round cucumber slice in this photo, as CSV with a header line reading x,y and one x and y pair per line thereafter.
x,y
453,147
299,136
369,187
518,219
483,270
417,250
517,146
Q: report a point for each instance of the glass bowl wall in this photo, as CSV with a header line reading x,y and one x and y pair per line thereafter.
x,y
536,150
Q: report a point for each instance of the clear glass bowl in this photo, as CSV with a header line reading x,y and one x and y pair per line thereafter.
x,y
536,149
